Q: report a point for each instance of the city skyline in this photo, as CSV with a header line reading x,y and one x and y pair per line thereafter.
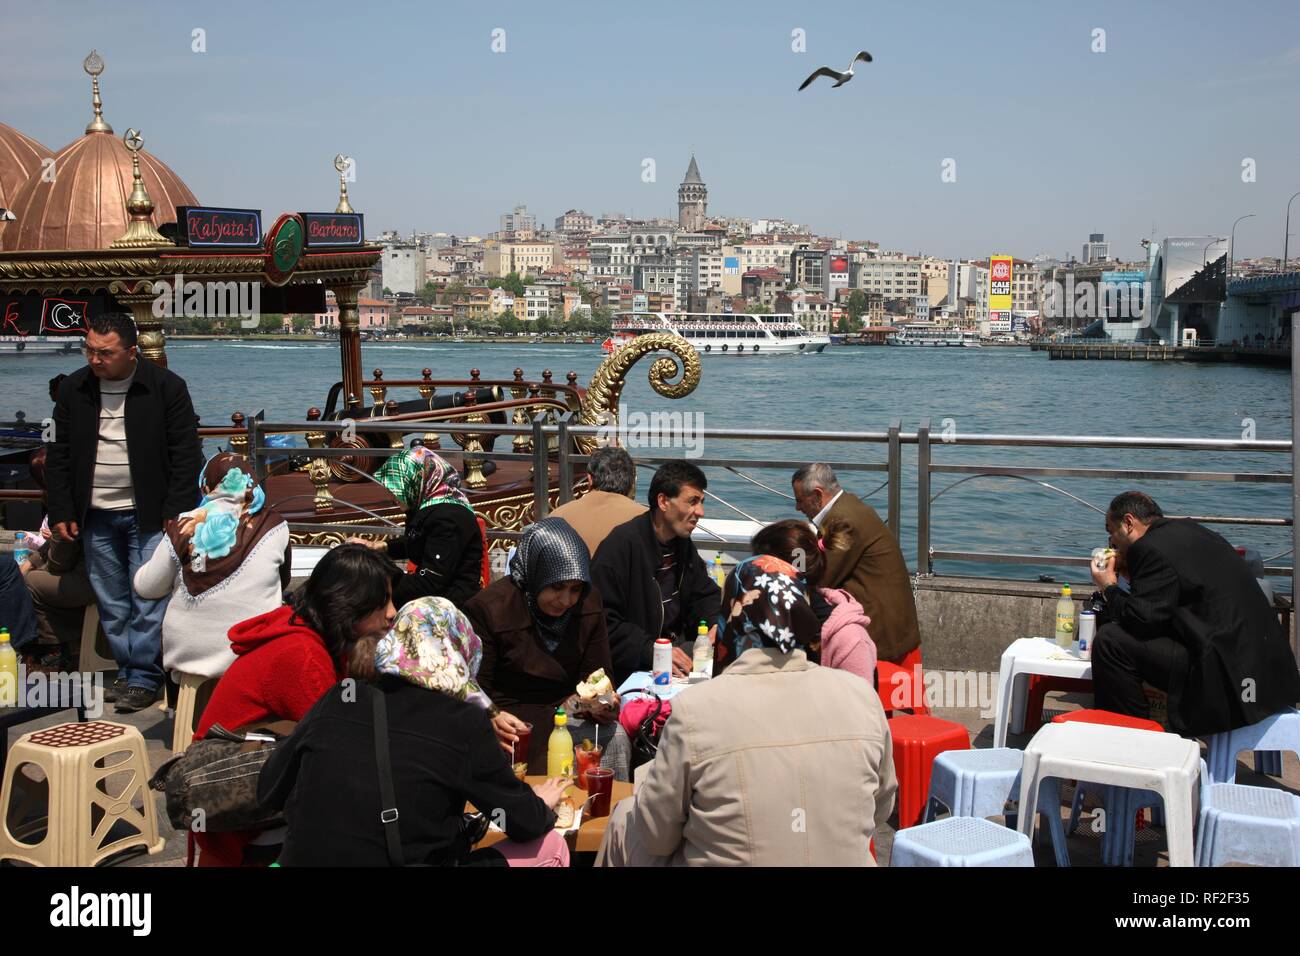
x,y
1048,145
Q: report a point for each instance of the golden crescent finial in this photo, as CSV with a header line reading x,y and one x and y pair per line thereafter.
x,y
341,163
132,140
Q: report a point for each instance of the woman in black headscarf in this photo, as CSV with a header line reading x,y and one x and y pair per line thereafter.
x,y
543,632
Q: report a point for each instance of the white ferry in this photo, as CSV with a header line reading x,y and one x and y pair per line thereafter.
x,y
39,344
727,333
931,334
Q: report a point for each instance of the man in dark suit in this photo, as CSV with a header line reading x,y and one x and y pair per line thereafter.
x,y
652,579
1195,624
871,569
125,458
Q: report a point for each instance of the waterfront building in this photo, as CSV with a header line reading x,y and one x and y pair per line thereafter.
x,y
1096,249
763,285
575,221
404,268
522,258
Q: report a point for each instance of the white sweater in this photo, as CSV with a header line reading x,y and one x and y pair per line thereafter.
x,y
195,629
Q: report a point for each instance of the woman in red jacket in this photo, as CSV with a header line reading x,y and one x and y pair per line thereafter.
x,y
287,658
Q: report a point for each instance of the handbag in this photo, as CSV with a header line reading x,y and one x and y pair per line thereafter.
x,y
212,786
645,742
473,826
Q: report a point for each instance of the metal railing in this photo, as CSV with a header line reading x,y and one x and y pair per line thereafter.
x,y
553,450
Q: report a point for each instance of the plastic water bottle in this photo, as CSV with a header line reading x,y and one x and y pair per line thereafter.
x,y
8,671
662,671
20,553
702,653
719,572
559,748
1065,619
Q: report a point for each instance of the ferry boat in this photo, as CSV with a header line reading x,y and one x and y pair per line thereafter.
x,y
931,334
39,344
726,333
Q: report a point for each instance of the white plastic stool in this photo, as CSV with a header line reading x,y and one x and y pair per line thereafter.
x,y
1140,759
1257,825
1272,734
90,660
961,841
974,783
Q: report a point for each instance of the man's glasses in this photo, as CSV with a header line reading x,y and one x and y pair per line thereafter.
x,y
105,354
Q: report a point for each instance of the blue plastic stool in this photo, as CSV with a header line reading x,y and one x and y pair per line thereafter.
x,y
974,783
961,841
1267,739
1122,805
1240,824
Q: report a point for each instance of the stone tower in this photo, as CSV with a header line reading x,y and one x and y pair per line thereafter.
x,y
692,200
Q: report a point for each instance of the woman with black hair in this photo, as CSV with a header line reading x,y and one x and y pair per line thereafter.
x,y
287,658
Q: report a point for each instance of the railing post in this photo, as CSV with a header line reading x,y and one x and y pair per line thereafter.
x,y
254,442
923,563
566,463
541,469
895,480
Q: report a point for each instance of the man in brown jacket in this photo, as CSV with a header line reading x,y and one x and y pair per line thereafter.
x,y
872,568
612,475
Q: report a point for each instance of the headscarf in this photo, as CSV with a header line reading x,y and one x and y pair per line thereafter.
x,y
764,604
212,541
433,645
549,552
420,479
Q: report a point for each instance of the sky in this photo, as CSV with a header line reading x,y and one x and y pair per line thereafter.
x,y
1053,130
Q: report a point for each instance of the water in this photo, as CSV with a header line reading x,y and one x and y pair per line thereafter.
x,y
850,388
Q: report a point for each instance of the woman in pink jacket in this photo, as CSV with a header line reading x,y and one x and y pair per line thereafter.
x,y
845,643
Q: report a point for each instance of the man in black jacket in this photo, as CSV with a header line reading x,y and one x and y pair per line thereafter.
x,y
1195,624
125,458
651,578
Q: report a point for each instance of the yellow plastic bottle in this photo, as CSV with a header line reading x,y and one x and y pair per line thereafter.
x,y
8,671
559,748
1065,619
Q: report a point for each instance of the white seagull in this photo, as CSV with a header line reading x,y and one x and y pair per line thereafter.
x,y
840,78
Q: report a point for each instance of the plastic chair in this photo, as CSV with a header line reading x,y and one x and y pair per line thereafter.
x,y
1267,739
1039,687
961,841
188,708
895,680
82,810
1256,825
1119,757
91,660
917,741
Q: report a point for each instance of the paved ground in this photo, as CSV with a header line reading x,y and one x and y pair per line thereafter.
x,y
155,725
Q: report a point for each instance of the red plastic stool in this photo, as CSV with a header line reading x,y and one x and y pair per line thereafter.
x,y
893,676
1109,718
917,740
1039,687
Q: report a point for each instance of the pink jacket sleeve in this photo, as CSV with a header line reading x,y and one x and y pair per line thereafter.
x,y
857,655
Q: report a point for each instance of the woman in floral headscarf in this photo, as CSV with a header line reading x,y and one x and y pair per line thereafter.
x,y
543,631
227,560
445,542
776,761
443,753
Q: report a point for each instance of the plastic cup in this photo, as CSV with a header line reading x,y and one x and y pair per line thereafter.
x,y
521,745
600,784
584,760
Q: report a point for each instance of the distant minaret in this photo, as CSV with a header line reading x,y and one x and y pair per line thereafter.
x,y
692,200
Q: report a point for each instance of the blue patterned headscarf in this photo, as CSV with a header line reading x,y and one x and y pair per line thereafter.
x,y
550,552
764,604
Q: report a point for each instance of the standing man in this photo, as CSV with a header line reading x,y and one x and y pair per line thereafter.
x,y
125,459
1195,624
652,579
609,503
871,568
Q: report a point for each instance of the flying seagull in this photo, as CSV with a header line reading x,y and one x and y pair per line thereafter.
x,y
840,78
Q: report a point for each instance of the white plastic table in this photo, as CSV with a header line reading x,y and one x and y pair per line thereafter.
x,y
1123,757
1029,655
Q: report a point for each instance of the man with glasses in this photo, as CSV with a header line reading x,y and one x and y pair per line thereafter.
x,y
124,458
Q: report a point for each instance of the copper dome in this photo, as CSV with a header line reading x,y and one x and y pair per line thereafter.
x,y
85,206
20,160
